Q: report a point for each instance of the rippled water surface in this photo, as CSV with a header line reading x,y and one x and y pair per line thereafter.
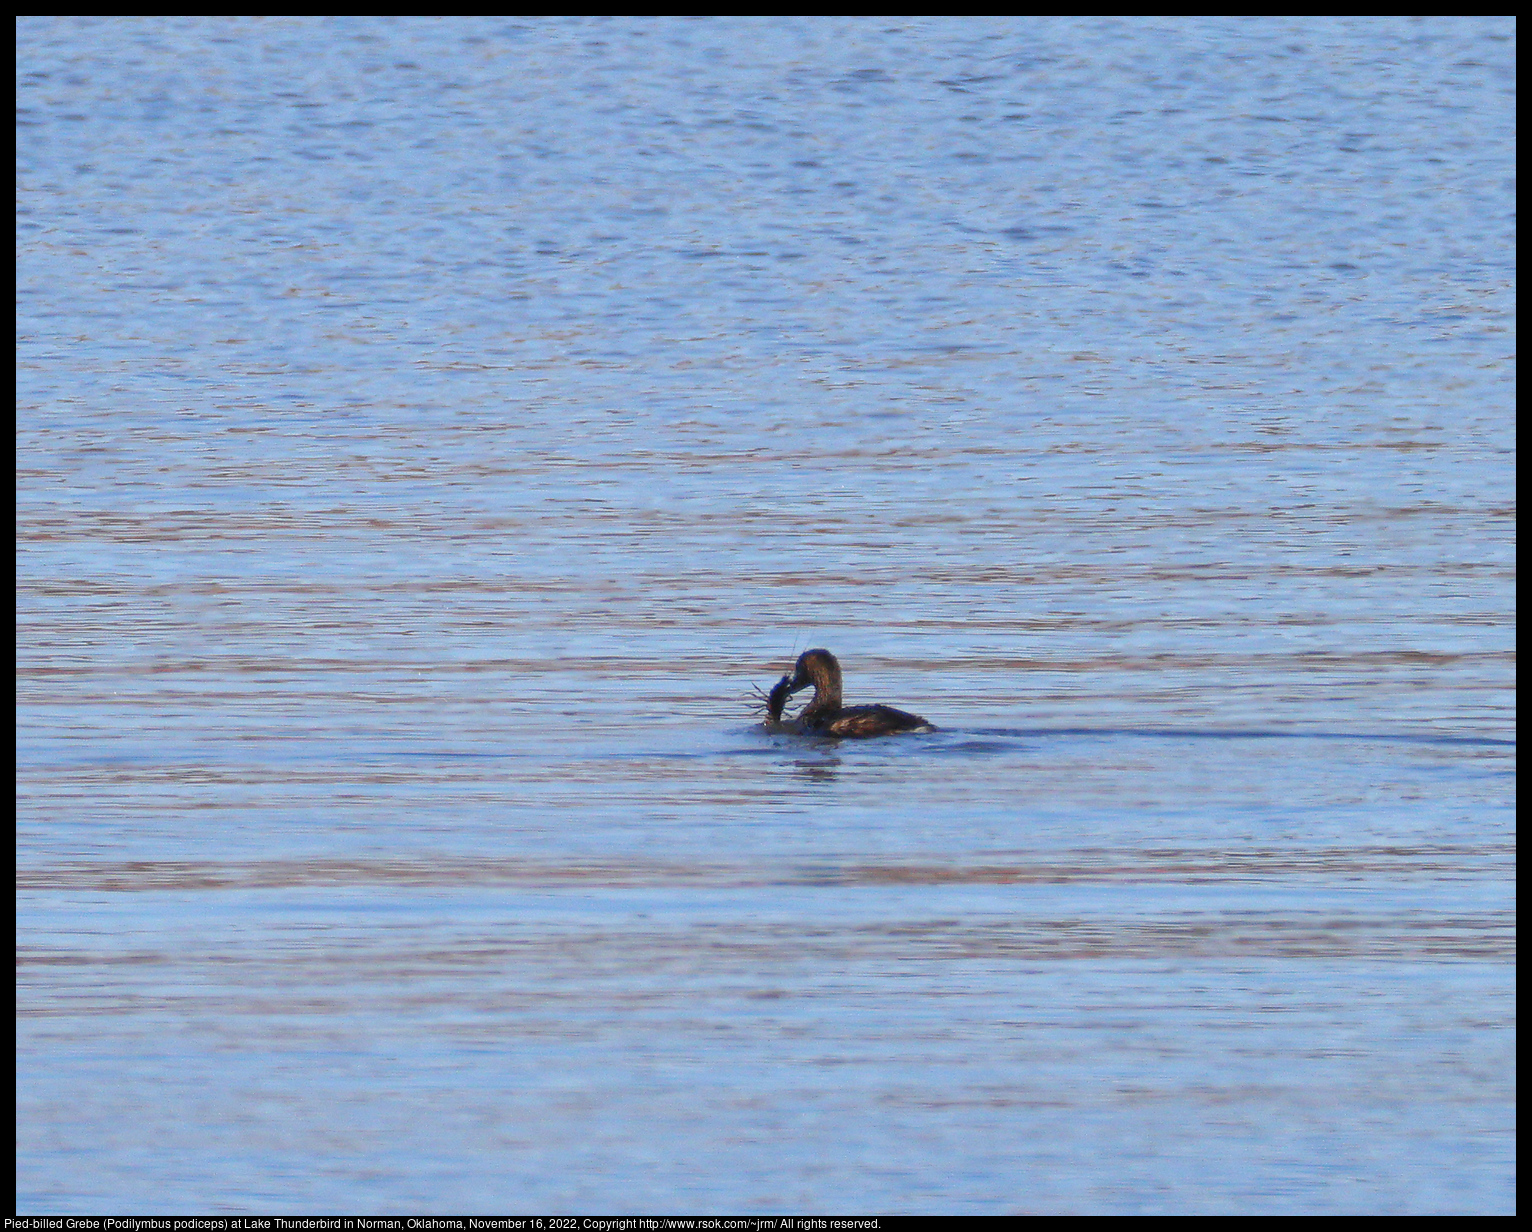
x,y
432,431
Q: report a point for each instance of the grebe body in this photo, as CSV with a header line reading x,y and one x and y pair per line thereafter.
x,y
824,715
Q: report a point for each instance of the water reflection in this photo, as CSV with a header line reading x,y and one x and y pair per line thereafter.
x,y
1085,865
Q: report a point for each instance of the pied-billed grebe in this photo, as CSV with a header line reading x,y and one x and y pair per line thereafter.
x,y
825,716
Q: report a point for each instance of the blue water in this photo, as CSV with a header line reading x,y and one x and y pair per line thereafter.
x,y
432,430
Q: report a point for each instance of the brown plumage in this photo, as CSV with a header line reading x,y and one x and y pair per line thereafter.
x,y
824,715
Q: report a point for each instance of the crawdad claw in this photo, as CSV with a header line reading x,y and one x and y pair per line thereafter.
x,y
777,699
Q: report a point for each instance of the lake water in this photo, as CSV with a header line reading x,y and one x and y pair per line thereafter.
x,y
432,430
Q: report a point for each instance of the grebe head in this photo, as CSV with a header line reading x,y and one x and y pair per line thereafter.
x,y
820,669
